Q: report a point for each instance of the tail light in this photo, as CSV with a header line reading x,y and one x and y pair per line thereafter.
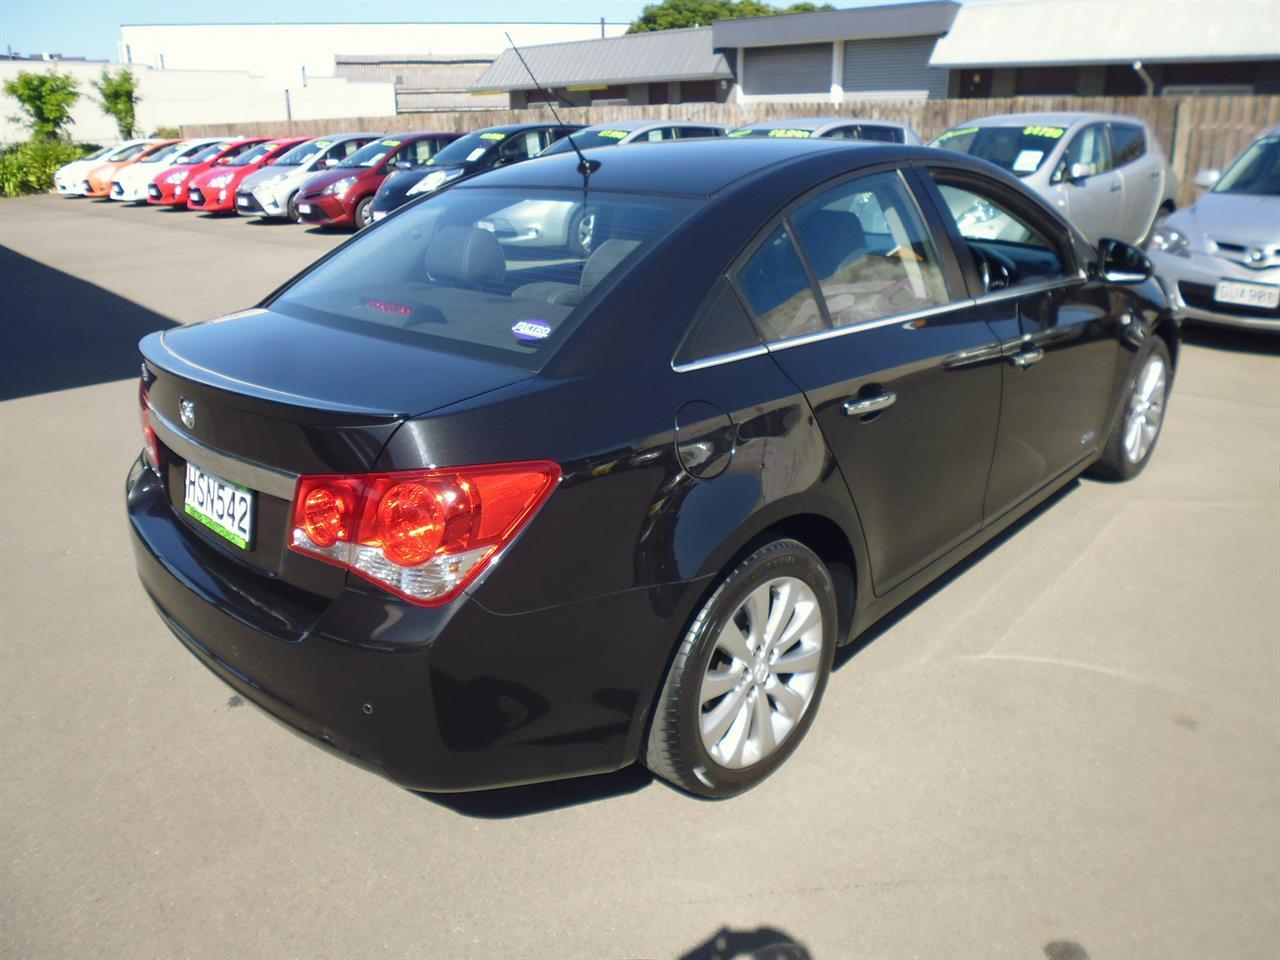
x,y
423,534
150,443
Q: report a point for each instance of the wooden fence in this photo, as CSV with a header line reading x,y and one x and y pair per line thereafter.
x,y
1197,132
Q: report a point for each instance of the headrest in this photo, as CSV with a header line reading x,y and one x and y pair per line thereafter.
x,y
460,254
603,259
832,238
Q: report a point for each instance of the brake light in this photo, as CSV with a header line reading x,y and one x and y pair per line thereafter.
x,y
422,534
150,443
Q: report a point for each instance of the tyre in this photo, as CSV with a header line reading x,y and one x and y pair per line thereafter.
x,y
581,234
748,675
1133,438
292,208
364,213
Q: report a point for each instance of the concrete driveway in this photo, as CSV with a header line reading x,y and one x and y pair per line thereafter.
x,y
1069,748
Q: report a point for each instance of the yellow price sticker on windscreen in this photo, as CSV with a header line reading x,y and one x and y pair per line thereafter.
x,y
493,135
612,134
389,143
321,144
744,132
790,133
957,132
1049,133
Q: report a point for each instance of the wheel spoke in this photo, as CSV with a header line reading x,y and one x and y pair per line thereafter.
x,y
732,642
740,731
806,615
791,701
757,607
719,682
762,726
802,661
1133,430
781,607
715,723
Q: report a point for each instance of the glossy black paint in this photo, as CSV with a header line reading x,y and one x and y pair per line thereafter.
x,y
548,666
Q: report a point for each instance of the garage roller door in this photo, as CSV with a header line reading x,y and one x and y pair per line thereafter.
x,y
801,68
894,67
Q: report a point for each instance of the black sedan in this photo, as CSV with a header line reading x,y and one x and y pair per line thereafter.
x,y
474,153
475,512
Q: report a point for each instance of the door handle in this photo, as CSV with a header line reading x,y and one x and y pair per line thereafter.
x,y
1026,358
860,408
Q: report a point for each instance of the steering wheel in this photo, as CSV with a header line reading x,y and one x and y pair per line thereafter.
x,y
996,270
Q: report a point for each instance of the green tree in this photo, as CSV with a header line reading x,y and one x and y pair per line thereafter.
x,y
119,92
45,100
672,14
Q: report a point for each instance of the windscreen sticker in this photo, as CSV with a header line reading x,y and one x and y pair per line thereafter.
x,y
389,143
791,133
530,331
957,132
269,146
476,154
1049,133
321,144
744,132
493,135
386,306
612,134
1027,161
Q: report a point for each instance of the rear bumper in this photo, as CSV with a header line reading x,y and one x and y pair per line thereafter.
x,y
326,210
438,699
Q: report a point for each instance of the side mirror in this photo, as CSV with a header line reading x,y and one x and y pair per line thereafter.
x,y
1120,262
330,161
1208,179
402,164
1079,172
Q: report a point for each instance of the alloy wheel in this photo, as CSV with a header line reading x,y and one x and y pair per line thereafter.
x,y
1146,409
762,674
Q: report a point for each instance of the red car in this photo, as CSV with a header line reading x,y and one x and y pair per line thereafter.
x,y
169,188
214,190
343,195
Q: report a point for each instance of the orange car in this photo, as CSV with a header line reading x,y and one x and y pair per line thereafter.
x,y
98,182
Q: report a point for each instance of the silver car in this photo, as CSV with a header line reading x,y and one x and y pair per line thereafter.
x,y
633,131
830,128
1107,174
1220,257
270,193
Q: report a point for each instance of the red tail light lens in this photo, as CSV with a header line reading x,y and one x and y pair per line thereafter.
x,y
425,534
150,443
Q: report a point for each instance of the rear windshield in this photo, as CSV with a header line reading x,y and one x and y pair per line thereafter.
x,y
1020,150
303,152
372,154
588,139
1257,172
500,274
468,149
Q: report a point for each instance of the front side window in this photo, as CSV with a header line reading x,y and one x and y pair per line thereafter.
x,y
372,154
870,251
420,152
1009,245
1022,150
1088,154
521,146
500,274
1128,142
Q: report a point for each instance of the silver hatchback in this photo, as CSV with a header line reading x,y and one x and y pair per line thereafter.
x,y
1107,174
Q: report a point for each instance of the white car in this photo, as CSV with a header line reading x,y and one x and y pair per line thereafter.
x,y
68,179
131,182
1220,258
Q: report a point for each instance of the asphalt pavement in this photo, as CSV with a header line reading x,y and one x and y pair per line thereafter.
x,y
1069,748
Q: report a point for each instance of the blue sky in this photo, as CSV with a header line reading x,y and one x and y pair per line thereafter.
x,y
90,28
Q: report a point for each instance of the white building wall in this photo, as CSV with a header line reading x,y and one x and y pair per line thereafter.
x,y
284,53
172,98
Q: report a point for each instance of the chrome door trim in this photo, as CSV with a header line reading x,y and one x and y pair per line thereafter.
x,y
255,476
714,361
897,318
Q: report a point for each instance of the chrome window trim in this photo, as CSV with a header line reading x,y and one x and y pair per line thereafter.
x,y
897,318
255,476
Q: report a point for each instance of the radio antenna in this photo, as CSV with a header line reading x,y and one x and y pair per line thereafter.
x,y
585,167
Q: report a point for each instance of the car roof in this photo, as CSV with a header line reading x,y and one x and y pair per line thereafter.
x,y
696,167
815,123
1059,119
517,127
632,126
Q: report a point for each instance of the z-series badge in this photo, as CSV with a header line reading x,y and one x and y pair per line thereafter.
x,y
530,330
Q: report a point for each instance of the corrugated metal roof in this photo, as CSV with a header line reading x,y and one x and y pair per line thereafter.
x,y
634,58
1105,31
927,18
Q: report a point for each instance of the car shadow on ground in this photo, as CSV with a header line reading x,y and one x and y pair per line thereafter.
x,y
1233,339
64,332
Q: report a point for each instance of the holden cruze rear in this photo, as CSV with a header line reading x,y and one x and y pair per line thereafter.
x,y
333,488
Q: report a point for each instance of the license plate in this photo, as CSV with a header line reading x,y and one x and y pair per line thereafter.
x,y
1247,294
225,508
304,208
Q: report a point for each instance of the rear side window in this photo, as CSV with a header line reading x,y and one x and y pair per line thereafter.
x,y
777,288
870,251
502,274
1128,143
879,133
721,328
